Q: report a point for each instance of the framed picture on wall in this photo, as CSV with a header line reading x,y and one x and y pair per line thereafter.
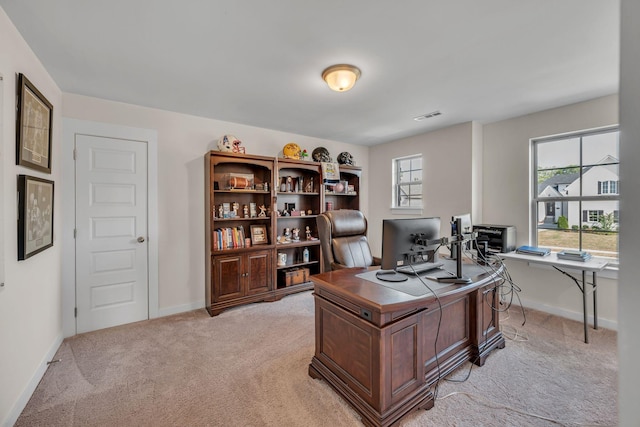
x,y
35,215
33,127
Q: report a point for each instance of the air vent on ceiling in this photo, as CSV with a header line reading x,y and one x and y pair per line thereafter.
x,y
427,116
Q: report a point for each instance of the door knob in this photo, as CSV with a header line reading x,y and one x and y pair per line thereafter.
x,y
140,239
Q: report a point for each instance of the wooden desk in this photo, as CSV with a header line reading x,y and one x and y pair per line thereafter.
x,y
592,266
376,346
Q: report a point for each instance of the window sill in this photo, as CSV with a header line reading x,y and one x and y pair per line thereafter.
x,y
406,211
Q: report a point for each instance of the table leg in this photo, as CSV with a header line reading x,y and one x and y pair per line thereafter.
x,y
595,302
584,306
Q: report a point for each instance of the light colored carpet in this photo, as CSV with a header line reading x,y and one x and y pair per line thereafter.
x,y
248,367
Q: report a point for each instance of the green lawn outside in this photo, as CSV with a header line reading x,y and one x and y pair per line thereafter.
x,y
598,243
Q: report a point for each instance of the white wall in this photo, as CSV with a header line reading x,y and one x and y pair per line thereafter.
x,y
629,291
506,200
448,171
182,142
30,318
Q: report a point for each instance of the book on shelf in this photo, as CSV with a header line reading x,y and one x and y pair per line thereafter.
x,y
574,255
229,238
533,250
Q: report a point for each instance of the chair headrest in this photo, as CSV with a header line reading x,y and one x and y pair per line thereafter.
x,y
347,222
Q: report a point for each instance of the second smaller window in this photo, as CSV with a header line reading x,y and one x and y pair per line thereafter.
x,y
408,182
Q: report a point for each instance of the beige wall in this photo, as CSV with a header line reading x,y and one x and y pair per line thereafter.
x,y
30,320
448,172
505,185
182,142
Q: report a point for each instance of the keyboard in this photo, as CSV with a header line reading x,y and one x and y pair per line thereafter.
x,y
419,268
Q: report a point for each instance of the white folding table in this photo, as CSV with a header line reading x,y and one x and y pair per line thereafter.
x,y
592,266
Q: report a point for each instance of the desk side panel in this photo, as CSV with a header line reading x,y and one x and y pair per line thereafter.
x,y
449,336
349,347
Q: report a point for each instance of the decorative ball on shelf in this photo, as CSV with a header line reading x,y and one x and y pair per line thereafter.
x,y
338,188
345,158
228,142
321,154
291,151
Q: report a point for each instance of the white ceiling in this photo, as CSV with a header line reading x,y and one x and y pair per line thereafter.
x,y
259,62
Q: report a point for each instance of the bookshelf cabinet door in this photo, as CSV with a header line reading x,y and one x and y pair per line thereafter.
x,y
259,272
228,277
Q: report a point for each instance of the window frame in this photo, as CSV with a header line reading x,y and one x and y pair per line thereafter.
x,y
535,198
396,184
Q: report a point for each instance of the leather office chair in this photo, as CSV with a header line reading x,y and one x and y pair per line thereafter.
x,y
343,238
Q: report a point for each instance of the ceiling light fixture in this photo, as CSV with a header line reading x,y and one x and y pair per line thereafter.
x,y
341,77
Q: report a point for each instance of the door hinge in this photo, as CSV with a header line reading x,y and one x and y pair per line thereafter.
x,y
75,312
75,233
74,154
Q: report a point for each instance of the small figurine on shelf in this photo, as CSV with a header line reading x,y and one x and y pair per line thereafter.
x,y
308,233
220,212
263,211
295,234
236,208
287,234
309,187
245,211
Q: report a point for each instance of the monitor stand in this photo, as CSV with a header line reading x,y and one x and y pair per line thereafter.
x,y
458,279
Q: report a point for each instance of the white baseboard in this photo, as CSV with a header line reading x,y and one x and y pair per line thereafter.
x,y
168,311
567,314
24,397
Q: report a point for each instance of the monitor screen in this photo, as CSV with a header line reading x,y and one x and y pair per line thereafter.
x,y
399,241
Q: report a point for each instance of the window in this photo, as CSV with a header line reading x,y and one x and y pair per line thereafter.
x,y
407,182
607,187
592,216
576,192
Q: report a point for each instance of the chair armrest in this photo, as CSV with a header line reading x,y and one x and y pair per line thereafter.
x,y
377,261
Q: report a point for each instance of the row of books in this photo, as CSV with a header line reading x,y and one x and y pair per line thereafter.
x,y
573,255
228,238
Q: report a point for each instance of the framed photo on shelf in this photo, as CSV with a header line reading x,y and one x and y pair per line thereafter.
x,y
259,235
33,127
35,215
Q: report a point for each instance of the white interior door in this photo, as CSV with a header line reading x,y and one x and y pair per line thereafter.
x,y
110,232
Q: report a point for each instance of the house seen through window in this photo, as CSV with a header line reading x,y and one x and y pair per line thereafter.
x,y
407,182
576,192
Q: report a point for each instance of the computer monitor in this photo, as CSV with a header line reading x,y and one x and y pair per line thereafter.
x,y
399,246
466,224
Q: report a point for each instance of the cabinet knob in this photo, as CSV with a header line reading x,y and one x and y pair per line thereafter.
x,y
140,239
